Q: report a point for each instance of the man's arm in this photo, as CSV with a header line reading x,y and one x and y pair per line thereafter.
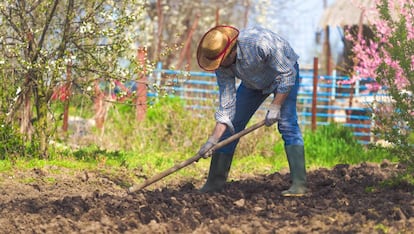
x,y
219,130
227,98
279,98
225,112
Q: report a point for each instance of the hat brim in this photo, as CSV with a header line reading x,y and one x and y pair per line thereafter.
x,y
212,64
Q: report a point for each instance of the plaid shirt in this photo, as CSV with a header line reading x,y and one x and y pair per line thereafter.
x,y
265,61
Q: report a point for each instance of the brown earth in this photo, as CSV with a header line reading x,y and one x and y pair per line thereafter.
x,y
346,199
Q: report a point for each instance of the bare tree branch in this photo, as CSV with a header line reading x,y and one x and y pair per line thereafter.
x,y
66,28
45,29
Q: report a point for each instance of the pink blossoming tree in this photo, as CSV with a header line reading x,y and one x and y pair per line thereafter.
x,y
389,59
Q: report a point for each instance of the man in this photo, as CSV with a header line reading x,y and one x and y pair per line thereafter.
x,y
266,64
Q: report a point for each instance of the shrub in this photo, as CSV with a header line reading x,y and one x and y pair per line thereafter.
x,y
389,59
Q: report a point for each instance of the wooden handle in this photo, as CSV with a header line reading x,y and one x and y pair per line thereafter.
x,y
195,158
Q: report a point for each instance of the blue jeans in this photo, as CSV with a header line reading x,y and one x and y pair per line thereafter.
x,y
249,100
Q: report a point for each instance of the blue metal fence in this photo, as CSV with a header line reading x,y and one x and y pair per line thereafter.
x,y
347,104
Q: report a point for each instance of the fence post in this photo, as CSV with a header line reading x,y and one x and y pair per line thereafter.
x,y
372,125
314,94
332,97
158,76
141,100
100,107
357,88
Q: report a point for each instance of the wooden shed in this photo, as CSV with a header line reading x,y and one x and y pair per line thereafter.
x,y
345,14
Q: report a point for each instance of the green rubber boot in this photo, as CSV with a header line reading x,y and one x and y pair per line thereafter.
x,y
219,170
296,159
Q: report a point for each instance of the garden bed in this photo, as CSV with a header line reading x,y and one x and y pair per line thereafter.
x,y
346,199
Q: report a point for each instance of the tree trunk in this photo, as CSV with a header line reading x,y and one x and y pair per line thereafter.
x,y
44,131
26,127
42,124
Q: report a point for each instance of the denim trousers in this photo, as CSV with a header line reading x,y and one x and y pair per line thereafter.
x,y
247,103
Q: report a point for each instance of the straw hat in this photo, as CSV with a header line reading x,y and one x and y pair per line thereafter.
x,y
215,46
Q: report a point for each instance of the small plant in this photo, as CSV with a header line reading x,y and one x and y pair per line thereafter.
x,y
381,228
13,145
370,189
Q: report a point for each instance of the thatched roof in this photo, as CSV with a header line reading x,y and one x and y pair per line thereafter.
x,y
348,12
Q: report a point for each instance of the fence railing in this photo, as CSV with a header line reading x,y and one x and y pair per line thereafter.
x,y
336,101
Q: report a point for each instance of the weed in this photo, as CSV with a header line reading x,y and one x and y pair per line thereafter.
x,y
370,189
381,228
28,180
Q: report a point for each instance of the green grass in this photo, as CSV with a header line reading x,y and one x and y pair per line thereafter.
x,y
171,134
5,165
28,180
333,144
257,164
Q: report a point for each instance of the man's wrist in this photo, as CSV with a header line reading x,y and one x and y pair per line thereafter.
x,y
274,106
212,139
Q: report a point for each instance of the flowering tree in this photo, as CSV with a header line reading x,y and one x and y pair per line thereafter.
x,y
389,58
39,40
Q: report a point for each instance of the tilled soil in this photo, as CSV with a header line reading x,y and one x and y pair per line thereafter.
x,y
346,199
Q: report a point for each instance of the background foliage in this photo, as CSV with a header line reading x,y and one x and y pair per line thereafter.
x,y
50,44
73,44
389,59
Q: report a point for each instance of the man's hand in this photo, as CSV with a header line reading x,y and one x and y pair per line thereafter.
x,y
205,150
273,114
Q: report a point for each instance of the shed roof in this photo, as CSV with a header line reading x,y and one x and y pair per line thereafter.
x,y
346,12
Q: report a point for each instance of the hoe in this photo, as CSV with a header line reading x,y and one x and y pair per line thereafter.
x,y
195,158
